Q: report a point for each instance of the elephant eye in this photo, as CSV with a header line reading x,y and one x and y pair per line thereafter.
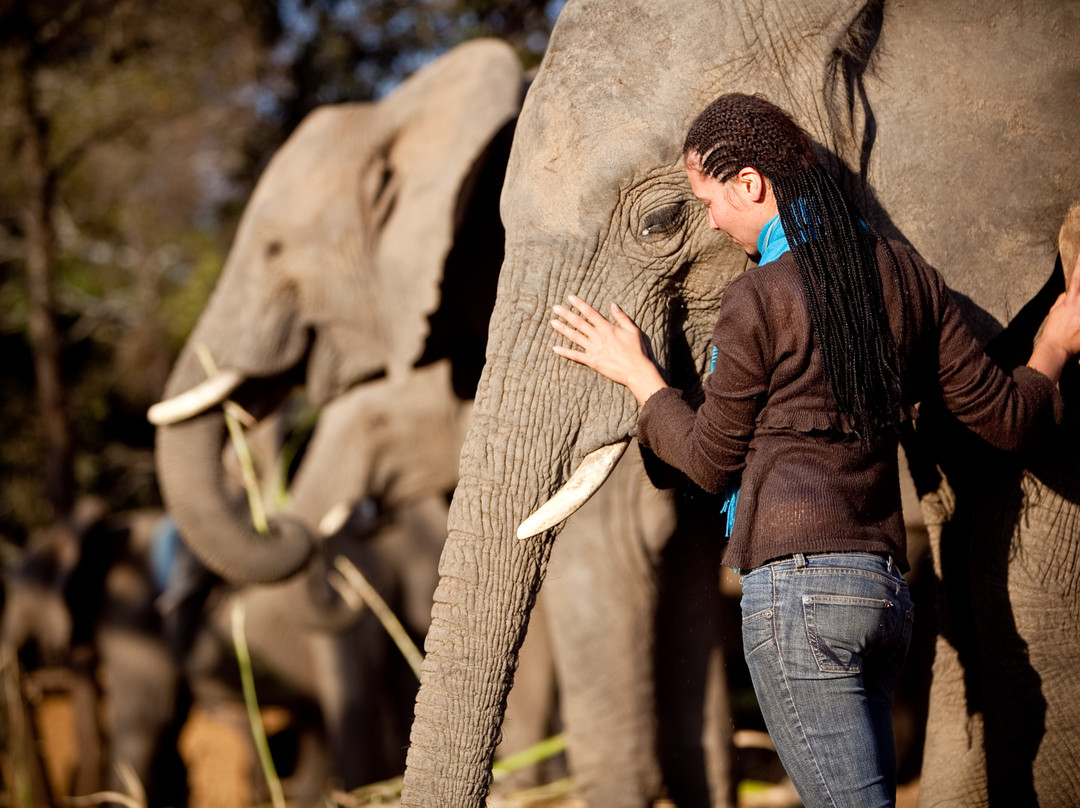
x,y
661,222
273,249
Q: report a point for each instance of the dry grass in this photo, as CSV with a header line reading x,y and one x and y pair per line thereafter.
x,y
218,757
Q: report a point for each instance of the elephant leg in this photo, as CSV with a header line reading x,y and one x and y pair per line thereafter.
x,y
601,594
85,698
146,706
350,686
303,746
696,727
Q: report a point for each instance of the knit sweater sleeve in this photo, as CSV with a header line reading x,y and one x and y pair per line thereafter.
x,y
1004,409
710,444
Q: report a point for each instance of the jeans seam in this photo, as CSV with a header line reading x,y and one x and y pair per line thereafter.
x,y
788,696
800,726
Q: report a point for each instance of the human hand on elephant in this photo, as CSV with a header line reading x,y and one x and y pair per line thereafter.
x,y
1060,338
616,350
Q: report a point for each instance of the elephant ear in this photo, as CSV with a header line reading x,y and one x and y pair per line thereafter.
x,y
440,122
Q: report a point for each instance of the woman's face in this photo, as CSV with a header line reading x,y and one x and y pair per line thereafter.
x,y
739,207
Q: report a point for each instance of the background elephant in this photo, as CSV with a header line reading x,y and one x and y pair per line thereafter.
x,y
356,235
920,108
367,225
373,484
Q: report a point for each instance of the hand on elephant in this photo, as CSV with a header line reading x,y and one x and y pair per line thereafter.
x,y
616,350
1060,338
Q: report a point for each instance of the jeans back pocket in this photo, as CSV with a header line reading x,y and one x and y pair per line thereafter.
x,y
843,629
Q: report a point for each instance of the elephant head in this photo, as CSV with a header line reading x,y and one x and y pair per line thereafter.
x,y
596,203
360,233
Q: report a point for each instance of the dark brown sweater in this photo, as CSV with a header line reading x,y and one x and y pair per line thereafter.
x,y
767,415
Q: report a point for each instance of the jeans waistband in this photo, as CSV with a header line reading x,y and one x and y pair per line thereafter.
x,y
800,558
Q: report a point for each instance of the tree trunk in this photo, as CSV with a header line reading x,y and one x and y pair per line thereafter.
x,y
40,238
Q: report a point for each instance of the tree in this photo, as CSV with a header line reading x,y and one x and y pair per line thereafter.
x,y
91,93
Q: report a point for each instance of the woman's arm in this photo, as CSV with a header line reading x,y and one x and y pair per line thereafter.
x,y
690,440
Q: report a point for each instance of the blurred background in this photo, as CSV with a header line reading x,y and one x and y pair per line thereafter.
x,y
131,134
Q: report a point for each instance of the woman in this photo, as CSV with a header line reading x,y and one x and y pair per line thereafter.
x,y
820,352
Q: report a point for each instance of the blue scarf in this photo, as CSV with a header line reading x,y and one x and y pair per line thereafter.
x,y
772,243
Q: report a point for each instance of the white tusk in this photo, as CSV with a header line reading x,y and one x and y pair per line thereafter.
x,y
196,400
362,511
583,483
335,518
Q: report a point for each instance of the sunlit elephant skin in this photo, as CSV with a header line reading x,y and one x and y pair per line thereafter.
x,y
929,112
1003,714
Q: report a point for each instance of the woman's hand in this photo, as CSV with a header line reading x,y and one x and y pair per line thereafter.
x,y
1060,338
617,351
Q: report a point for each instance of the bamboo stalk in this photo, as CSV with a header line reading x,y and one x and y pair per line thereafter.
x,y
258,731
547,748
233,416
361,585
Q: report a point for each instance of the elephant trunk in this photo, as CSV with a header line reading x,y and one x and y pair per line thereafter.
x,y
536,418
487,588
217,526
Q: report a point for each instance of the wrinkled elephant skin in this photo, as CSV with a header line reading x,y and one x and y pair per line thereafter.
x,y
931,113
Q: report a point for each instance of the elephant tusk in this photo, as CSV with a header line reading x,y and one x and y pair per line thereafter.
x,y
194,401
583,483
335,519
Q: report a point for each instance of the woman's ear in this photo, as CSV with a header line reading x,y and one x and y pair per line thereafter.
x,y
753,187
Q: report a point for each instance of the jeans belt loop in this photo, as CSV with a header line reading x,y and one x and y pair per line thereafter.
x,y
800,560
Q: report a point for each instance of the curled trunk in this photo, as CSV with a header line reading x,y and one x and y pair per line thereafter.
x,y
212,515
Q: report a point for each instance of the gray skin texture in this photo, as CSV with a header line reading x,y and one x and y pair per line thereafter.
x,y
935,116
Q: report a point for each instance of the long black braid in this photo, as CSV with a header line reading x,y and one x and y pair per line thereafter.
x,y
833,248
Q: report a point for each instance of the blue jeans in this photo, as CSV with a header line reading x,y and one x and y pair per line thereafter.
x,y
824,636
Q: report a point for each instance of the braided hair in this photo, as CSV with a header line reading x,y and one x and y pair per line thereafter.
x,y
833,249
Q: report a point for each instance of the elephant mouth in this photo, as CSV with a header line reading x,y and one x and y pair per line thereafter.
x,y
586,480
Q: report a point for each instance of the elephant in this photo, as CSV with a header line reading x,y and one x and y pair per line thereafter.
x,y
930,114
363,268
385,336
362,228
